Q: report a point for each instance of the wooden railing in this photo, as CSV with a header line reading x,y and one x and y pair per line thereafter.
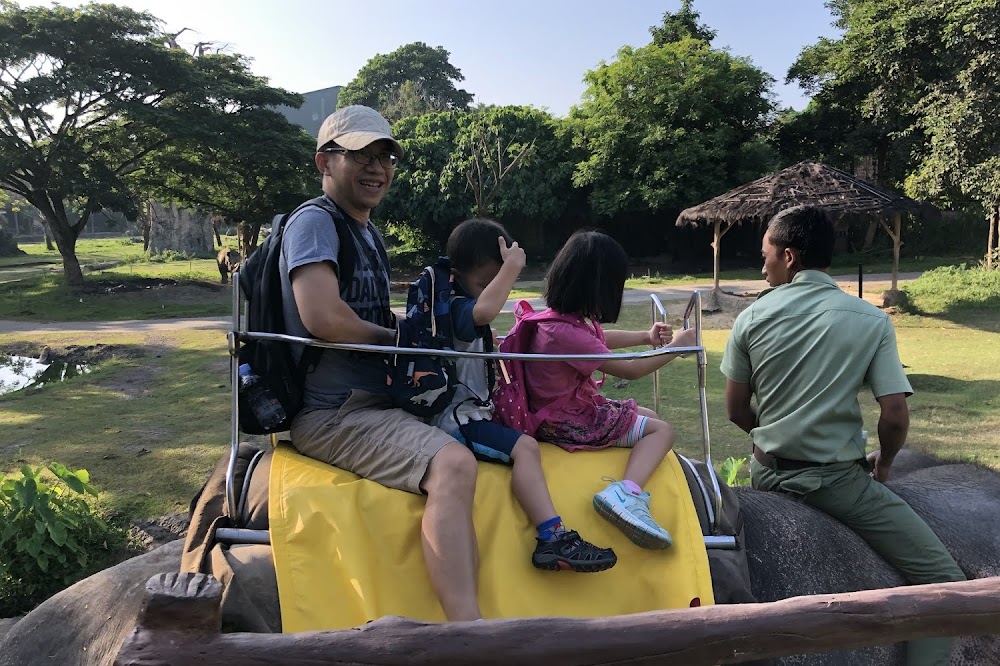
x,y
181,623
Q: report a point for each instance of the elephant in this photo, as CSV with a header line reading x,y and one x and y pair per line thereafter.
x,y
229,261
791,550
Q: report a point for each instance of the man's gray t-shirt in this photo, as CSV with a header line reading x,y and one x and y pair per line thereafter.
x,y
310,237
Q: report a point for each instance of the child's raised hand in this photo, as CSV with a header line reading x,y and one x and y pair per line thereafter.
x,y
660,334
685,338
513,254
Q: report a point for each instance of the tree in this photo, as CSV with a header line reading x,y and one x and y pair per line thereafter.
x,y
88,94
681,24
929,75
859,117
958,114
671,124
421,207
512,163
412,80
264,167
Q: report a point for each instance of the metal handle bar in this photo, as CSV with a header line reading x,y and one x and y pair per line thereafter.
x,y
451,353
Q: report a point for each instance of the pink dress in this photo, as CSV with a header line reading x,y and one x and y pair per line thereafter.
x,y
582,417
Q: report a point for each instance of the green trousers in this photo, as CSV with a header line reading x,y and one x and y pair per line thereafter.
x,y
847,492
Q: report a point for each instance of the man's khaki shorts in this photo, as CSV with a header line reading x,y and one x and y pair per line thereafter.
x,y
369,437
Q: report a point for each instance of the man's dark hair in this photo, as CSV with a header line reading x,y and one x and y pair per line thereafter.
x,y
587,277
806,229
473,243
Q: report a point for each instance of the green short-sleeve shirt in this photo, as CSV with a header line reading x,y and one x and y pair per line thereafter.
x,y
806,348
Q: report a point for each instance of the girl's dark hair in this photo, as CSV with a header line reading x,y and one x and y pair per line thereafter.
x,y
809,230
473,243
587,277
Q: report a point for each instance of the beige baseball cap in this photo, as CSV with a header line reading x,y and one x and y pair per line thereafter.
x,y
354,127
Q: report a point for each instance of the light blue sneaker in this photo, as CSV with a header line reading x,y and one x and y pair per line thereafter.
x,y
630,514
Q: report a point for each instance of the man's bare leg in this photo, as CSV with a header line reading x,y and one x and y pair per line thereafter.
x,y
449,538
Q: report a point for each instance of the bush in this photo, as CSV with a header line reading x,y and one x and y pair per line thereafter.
x,y
170,255
950,288
732,472
51,536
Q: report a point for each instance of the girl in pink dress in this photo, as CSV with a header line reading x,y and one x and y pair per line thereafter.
x,y
585,282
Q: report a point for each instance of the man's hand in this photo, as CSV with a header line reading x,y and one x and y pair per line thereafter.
x,y
880,466
513,255
661,334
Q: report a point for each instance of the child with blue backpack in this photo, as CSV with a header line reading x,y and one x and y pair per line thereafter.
x,y
485,265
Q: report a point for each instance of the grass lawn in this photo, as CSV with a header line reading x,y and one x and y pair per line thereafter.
x,y
148,423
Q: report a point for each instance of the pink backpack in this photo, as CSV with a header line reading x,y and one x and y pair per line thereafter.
x,y
510,399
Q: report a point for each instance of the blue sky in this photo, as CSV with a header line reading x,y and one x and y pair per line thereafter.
x,y
511,51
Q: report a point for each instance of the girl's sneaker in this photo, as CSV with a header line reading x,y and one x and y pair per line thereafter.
x,y
568,552
630,514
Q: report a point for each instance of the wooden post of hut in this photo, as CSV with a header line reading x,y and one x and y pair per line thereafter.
x,y
717,233
893,297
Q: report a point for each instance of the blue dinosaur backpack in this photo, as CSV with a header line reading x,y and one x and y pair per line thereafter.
x,y
421,384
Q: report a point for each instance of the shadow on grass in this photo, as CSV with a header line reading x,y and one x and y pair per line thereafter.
x,y
113,298
973,388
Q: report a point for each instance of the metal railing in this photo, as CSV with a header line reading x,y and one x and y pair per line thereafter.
x,y
237,335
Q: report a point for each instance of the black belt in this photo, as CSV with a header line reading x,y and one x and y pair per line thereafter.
x,y
782,464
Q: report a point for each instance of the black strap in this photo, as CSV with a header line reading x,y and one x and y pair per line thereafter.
x,y
378,259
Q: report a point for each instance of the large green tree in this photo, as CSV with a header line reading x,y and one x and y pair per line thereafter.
x,y
513,163
860,117
263,168
87,95
412,80
671,123
926,75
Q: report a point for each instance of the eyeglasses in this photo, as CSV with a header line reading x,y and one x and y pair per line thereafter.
x,y
387,160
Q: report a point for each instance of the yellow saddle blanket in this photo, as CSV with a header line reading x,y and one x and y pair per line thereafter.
x,y
347,550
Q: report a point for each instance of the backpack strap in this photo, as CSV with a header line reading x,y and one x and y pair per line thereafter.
x,y
347,259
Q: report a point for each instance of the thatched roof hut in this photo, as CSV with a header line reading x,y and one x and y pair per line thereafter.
x,y
810,183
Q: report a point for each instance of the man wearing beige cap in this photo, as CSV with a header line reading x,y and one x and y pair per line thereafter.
x,y
335,286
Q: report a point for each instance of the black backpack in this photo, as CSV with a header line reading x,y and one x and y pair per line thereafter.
x,y
260,282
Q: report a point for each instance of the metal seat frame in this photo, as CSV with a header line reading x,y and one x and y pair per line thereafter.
x,y
236,497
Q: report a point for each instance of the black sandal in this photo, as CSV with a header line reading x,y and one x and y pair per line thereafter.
x,y
568,552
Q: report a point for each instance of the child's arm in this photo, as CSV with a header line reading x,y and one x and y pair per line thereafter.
x,y
640,367
492,300
659,335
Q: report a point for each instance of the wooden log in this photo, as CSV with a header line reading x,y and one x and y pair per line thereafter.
x,y
694,637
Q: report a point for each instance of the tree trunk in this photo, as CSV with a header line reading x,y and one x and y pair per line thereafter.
x,y
65,236
991,245
48,237
147,225
218,238
248,232
870,235
181,230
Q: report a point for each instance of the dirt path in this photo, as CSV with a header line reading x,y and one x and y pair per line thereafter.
x,y
874,284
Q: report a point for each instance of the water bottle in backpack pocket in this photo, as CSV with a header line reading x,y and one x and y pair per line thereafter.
x,y
257,398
